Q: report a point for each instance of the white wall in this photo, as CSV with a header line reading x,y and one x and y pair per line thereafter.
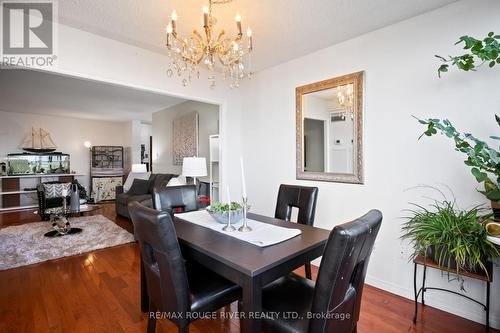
x,y
69,134
400,80
208,122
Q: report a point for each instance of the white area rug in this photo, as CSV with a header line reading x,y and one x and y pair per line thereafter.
x,y
26,244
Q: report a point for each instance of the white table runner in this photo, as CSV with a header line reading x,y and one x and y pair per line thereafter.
x,y
262,234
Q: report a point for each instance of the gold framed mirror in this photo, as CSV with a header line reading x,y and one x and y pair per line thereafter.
x,y
329,116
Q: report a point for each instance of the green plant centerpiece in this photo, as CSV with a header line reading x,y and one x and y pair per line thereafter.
x,y
219,211
453,238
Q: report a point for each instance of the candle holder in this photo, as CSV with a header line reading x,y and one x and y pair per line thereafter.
x,y
245,227
229,227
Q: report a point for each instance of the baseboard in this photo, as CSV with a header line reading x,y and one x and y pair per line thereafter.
x,y
474,313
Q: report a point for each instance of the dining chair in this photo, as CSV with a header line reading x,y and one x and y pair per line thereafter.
x,y
175,199
172,199
174,288
301,197
332,304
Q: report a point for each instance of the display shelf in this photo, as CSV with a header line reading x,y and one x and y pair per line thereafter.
x,y
17,192
43,175
18,208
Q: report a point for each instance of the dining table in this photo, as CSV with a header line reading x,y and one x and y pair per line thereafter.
x,y
248,265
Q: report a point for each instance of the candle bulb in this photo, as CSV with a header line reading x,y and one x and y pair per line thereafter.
x,y
205,16
174,20
169,31
249,34
238,22
243,182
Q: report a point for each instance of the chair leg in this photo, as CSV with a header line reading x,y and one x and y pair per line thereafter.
x,y
144,290
152,318
308,270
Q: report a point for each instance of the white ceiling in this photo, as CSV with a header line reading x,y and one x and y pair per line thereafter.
x,y
283,29
44,93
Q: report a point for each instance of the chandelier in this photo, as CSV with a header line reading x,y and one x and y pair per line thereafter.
x,y
345,96
209,50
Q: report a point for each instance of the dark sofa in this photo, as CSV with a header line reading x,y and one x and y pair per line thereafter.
x,y
122,199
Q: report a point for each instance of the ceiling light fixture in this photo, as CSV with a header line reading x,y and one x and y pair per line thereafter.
x,y
210,50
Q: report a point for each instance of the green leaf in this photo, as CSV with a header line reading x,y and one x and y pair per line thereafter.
x,y
492,63
480,176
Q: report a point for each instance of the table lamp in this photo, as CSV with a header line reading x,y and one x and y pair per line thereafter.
x,y
194,167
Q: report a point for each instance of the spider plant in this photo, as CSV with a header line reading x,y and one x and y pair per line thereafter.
x,y
453,235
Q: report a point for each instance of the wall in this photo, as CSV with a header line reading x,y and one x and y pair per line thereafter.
x,y
400,81
208,122
69,134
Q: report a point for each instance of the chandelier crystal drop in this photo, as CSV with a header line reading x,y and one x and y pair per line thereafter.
x,y
210,50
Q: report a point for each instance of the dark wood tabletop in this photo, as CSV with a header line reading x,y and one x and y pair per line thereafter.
x,y
249,265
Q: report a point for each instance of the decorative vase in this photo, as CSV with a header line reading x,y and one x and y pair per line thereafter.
x,y
74,198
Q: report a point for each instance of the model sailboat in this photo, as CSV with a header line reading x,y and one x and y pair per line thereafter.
x,y
38,141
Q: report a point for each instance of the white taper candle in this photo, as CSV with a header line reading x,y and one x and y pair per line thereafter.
x,y
243,182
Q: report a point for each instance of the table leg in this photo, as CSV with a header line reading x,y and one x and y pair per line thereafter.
x,y
415,291
252,305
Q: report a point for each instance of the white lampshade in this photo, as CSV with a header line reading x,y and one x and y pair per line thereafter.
x,y
194,167
139,168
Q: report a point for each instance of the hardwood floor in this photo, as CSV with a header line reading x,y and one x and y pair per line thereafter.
x,y
99,292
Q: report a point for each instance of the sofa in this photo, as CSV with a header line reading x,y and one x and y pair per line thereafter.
x,y
123,199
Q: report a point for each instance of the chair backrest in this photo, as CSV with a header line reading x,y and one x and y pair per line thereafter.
x,y
342,274
170,198
164,267
301,197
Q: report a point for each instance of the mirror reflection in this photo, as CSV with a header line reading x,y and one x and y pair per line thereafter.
x,y
328,122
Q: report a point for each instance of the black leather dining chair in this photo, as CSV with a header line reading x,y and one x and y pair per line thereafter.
x,y
171,199
182,291
332,304
175,198
302,197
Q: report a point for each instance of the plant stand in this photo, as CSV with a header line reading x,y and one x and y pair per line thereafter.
x,y
427,262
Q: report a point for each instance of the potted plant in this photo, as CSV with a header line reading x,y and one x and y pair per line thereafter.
x,y
453,238
483,160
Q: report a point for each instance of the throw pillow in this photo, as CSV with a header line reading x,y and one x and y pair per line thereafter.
x,y
55,190
132,176
139,186
177,181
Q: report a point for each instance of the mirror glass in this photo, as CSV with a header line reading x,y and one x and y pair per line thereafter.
x,y
329,130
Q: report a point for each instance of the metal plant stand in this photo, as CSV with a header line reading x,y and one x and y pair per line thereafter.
x,y
481,275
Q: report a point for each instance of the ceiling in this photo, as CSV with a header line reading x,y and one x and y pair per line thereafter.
x,y
31,91
283,29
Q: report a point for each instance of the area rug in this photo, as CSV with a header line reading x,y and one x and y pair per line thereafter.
x,y
26,244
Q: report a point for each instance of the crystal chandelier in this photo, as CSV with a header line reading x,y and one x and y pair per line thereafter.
x,y
209,50
345,96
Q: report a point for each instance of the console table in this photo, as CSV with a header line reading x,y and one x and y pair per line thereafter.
x,y
480,275
11,188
